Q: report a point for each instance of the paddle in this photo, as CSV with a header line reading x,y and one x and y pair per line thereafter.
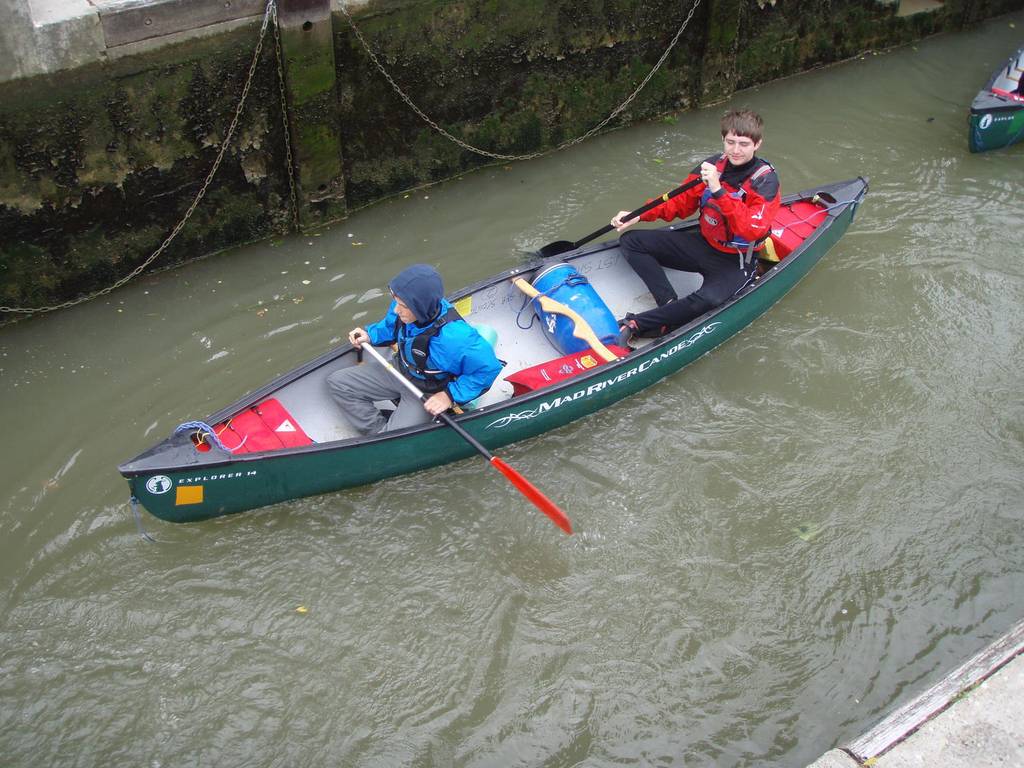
x,y
524,486
564,246
581,328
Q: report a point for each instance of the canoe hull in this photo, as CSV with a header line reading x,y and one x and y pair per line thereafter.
x,y
996,119
176,484
995,122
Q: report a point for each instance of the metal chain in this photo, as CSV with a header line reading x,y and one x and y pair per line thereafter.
x,y
271,11
497,156
284,121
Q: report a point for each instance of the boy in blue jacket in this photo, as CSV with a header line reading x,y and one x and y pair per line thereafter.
x,y
442,354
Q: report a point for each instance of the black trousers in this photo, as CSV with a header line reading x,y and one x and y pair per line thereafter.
x,y
647,251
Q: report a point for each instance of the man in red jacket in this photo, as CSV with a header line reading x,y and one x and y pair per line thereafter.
x,y
737,198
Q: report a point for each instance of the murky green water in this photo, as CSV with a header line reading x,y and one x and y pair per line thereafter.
x,y
774,547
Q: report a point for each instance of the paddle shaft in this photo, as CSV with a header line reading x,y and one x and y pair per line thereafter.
x,y
562,247
642,209
424,397
542,502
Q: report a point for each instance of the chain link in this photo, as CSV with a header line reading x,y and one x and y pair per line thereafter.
x,y
495,155
270,11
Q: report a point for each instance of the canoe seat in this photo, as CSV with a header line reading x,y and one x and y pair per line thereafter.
x,y
499,392
495,394
266,426
1008,82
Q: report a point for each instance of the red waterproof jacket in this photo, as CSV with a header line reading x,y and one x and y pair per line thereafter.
x,y
742,211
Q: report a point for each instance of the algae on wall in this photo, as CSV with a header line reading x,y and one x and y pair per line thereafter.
x,y
508,77
515,77
794,36
99,164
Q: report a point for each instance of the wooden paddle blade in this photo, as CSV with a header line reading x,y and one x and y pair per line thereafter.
x,y
556,248
538,499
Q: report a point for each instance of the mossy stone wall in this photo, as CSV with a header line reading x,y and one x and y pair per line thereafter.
x,y
98,164
507,77
307,32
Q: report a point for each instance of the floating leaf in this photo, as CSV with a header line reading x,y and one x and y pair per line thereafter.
x,y
807,531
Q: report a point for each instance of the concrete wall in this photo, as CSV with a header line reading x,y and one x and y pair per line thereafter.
x,y
43,36
39,36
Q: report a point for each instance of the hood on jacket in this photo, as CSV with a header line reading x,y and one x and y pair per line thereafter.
x,y
421,289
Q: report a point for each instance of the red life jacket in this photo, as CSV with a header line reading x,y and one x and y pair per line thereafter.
x,y
713,223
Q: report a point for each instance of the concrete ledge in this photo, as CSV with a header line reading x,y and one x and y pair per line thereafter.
x,y
47,12
912,715
67,34
969,719
43,36
835,758
981,729
47,36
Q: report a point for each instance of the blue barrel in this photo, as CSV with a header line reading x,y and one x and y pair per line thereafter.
x,y
565,285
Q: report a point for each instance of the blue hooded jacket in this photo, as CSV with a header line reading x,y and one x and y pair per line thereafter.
x,y
458,349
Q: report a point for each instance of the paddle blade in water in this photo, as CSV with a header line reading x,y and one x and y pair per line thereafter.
x,y
556,248
538,499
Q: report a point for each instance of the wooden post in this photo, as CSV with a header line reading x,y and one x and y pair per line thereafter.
x,y
307,42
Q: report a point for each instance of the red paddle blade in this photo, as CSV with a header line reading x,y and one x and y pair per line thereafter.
x,y
538,499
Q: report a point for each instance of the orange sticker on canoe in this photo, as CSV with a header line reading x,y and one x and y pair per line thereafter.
x,y
188,494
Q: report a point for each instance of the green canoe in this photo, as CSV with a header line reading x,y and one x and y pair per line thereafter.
x,y
287,439
996,118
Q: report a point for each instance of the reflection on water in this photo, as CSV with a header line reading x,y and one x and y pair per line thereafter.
x,y
774,547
